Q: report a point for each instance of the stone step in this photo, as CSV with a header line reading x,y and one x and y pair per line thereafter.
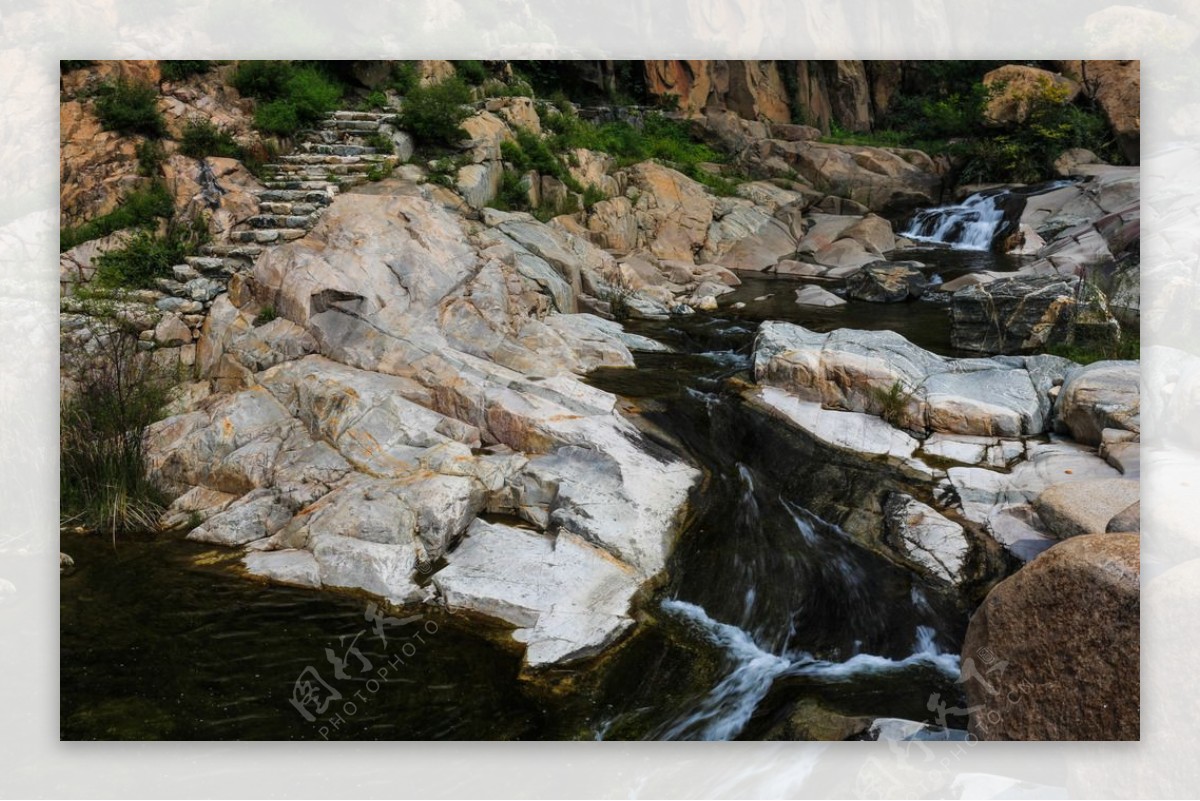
x,y
229,250
212,265
365,126
336,149
320,169
263,221
268,236
325,158
293,209
361,115
317,197
296,183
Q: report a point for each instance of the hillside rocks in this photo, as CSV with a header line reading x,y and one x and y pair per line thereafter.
x,y
1116,87
1073,612
1015,87
443,389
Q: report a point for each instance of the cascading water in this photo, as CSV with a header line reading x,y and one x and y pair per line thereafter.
x,y
972,225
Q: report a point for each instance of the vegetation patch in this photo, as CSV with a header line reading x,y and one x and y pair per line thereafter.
x,y
140,208
175,71
130,108
201,138
119,391
434,114
149,255
291,95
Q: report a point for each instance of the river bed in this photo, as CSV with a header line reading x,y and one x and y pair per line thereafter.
x,y
766,607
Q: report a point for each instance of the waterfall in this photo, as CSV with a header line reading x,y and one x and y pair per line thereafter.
x,y
971,225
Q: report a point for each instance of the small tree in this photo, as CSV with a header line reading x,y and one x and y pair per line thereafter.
x,y
434,114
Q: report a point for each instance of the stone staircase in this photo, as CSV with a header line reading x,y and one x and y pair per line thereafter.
x,y
298,187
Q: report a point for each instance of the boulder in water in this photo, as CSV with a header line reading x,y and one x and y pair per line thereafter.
x,y
1054,651
1013,314
887,282
815,296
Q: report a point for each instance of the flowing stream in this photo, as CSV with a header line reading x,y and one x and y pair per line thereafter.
x,y
767,605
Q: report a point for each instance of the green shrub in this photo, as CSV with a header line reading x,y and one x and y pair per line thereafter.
x,y
150,155
592,195
201,138
892,402
70,66
434,114
148,256
263,80
266,315
179,70
141,207
374,100
472,72
130,108
381,142
517,88
513,194
277,117
290,96
103,481
404,77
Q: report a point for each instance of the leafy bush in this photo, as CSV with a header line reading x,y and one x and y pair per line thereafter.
x,y
148,256
102,475
404,77
381,142
891,402
434,114
130,108
290,96
150,155
374,100
202,138
179,70
472,72
70,66
139,208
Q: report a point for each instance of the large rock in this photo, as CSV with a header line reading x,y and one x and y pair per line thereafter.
x,y
882,373
887,282
673,211
1012,315
570,601
445,386
938,546
1053,653
1116,86
1002,502
815,296
1084,507
1016,88
1098,396
752,89
887,181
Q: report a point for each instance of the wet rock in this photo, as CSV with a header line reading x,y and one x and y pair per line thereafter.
x,y
573,599
882,373
1027,648
66,565
887,282
1012,314
1084,507
938,546
815,296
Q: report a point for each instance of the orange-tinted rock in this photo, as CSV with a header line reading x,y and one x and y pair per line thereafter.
x,y
1054,651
